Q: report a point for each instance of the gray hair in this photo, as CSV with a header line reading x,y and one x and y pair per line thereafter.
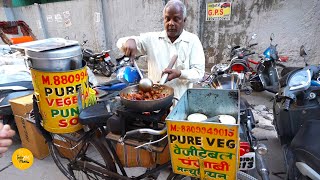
x,y
176,3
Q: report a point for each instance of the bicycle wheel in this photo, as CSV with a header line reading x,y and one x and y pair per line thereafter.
x,y
90,152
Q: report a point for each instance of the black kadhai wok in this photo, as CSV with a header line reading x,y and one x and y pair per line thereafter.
x,y
147,105
150,105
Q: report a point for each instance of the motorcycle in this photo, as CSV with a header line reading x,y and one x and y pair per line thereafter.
x,y
240,64
267,76
296,118
126,75
249,146
98,62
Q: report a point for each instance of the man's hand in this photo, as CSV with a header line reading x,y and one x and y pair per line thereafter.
x,y
172,73
130,48
6,133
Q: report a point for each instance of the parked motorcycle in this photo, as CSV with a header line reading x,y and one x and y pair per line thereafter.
x,y
126,74
249,146
296,112
98,62
267,76
240,64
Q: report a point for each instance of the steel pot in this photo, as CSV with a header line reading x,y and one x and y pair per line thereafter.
x,y
55,60
146,105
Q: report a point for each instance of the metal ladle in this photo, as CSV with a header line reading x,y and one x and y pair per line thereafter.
x,y
145,84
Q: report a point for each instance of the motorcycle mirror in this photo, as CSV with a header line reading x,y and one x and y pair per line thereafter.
x,y
302,51
303,54
271,36
254,36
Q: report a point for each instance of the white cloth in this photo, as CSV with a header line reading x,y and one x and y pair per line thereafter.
x,y
159,49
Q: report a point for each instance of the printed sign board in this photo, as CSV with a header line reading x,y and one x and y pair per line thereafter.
x,y
61,96
218,11
205,150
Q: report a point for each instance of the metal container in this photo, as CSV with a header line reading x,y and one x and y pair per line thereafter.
x,y
210,102
56,60
200,143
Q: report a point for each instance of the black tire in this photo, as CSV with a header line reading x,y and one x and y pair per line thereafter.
x,y
173,176
292,170
105,69
241,176
98,156
257,86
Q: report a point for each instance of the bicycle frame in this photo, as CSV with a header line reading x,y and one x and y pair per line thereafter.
x,y
108,143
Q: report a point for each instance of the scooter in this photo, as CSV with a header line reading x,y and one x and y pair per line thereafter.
x,y
296,112
267,76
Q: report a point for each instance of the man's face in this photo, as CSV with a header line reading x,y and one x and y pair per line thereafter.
x,y
173,22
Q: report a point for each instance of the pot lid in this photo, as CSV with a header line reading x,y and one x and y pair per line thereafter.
x,y
60,53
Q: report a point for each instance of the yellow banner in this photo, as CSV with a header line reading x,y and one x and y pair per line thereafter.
x,y
203,150
218,11
59,95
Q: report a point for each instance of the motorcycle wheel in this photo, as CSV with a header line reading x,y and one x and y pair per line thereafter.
x,y
105,69
257,86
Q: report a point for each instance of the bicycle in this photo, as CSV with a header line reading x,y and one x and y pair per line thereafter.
x,y
85,146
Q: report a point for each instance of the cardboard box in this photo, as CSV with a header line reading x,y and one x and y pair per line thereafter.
x,y
30,136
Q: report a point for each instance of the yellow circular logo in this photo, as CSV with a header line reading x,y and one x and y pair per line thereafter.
x,y
22,158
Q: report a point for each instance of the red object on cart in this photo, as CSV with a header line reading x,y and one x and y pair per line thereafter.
x,y
12,28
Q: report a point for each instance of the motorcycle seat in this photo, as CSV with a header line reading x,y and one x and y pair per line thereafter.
x,y
89,53
305,145
111,82
25,84
95,114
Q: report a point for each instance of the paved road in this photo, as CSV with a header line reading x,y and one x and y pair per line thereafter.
x,y
46,169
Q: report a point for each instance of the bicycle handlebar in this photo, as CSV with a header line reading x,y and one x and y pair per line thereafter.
x,y
249,54
147,131
254,44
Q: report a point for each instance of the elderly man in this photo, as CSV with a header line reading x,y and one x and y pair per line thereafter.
x,y
161,46
6,133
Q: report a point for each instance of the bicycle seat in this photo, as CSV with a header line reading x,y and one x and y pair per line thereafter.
x,y
95,114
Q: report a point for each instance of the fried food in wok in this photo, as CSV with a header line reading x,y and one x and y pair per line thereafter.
x,y
154,94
